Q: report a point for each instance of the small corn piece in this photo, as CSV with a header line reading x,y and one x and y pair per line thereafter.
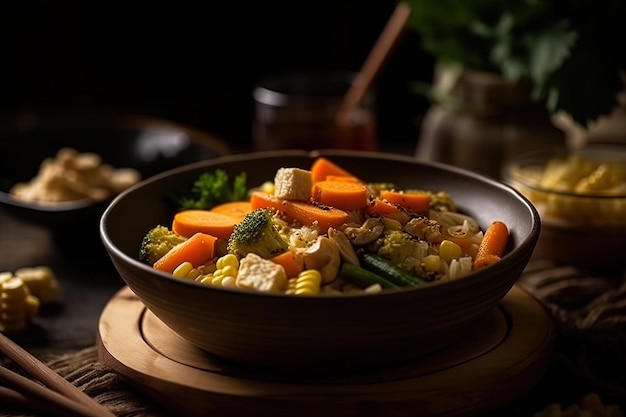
x,y
17,305
41,282
225,273
449,250
229,282
227,260
229,271
306,283
204,279
186,270
432,263
217,279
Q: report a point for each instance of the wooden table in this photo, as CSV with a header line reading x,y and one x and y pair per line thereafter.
x,y
87,280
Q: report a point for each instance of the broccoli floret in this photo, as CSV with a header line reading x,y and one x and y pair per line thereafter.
x,y
258,233
157,242
401,248
211,189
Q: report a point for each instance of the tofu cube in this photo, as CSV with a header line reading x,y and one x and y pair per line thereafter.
x,y
293,184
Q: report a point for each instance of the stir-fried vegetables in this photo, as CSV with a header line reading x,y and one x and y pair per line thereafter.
x,y
326,231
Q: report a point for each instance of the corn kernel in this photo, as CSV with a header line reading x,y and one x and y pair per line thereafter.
x,y
229,271
217,279
306,283
205,279
185,270
449,250
229,282
227,260
432,263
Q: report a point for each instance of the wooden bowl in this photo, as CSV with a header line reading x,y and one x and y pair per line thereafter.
x,y
322,333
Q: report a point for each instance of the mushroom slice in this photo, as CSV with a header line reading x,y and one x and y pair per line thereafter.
x,y
423,228
369,231
324,256
348,254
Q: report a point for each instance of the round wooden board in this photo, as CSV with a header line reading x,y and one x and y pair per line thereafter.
x,y
506,355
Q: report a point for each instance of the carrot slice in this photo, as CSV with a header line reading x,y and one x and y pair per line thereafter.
x,y
415,202
382,208
322,167
293,265
235,209
260,199
342,178
341,194
310,214
197,250
492,246
188,222
303,212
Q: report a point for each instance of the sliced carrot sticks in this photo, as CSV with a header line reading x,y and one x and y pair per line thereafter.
x,y
322,168
197,250
293,265
310,214
492,246
235,209
341,194
188,222
303,212
260,199
381,208
342,178
415,202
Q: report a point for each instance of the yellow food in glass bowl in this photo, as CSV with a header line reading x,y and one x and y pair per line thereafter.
x,y
585,187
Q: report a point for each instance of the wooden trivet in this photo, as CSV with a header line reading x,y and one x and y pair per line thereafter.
x,y
506,354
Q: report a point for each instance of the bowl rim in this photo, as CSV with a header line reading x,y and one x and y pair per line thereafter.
x,y
50,206
457,285
540,158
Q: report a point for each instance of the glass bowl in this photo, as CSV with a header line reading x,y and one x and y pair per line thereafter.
x,y
581,197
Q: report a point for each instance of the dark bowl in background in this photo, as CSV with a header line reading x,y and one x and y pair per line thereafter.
x,y
145,144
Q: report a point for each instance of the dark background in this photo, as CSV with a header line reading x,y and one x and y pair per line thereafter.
x,y
194,62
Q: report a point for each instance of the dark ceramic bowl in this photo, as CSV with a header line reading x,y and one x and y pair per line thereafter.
x,y
322,333
147,145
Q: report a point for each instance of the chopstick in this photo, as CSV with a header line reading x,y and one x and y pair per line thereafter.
x,y
14,398
25,393
61,392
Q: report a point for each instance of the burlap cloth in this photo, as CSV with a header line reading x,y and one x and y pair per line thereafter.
x,y
590,356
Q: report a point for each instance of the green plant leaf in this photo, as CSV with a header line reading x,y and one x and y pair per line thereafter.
x,y
585,87
547,50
